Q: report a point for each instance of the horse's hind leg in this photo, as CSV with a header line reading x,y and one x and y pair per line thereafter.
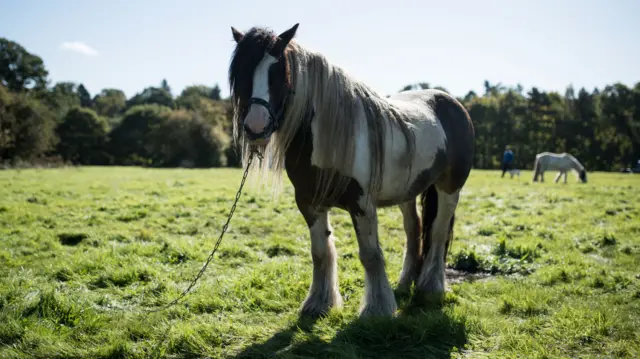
x,y
411,261
432,279
557,177
323,293
378,298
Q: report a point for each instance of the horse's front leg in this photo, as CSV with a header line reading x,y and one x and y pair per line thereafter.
x,y
323,293
378,298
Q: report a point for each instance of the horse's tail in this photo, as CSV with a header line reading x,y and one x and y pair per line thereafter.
x,y
449,237
536,166
429,202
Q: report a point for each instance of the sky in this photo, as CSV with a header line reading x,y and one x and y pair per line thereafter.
x,y
133,44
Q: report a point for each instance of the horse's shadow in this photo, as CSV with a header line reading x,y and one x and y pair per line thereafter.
x,y
422,330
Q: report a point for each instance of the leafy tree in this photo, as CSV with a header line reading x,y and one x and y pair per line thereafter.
x,y
215,93
469,97
19,69
165,86
26,127
84,96
60,98
83,136
129,140
407,88
191,96
110,102
416,86
184,139
152,95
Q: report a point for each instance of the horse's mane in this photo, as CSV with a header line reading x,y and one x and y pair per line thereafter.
x,y
335,99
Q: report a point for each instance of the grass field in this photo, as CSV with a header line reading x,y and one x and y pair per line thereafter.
x,y
541,270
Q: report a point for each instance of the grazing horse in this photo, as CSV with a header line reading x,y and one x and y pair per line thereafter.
x,y
562,162
343,145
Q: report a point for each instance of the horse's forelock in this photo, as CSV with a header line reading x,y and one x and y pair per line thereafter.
x,y
246,57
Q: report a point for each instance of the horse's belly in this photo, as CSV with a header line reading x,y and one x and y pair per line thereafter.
x,y
554,165
404,179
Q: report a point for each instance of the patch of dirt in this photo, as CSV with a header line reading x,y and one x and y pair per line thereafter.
x,y
71,239
455,276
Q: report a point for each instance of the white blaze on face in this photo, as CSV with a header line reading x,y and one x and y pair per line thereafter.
x,y
258,116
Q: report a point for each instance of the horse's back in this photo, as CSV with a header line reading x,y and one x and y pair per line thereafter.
x,y
455,123
443,136
554,154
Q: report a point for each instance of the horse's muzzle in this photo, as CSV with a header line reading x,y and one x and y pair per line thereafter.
x,y
260,122
256,121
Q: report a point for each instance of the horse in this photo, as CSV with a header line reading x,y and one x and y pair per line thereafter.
x,y
343,145
562,162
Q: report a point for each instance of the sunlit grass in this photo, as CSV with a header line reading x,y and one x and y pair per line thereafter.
x,y
556,270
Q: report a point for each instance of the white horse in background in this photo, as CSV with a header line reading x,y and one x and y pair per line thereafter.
x,y
562,162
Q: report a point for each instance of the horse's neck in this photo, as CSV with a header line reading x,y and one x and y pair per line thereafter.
x,y
575,165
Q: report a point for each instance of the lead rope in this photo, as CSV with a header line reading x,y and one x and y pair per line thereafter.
x,y
213,252
215,248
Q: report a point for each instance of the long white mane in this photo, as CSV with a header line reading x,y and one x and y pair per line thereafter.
x,y
336,99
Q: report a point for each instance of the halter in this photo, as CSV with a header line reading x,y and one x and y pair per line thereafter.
x,y
274,118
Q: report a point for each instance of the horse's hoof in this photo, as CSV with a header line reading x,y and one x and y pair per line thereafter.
x,y
404,285
403,288
377,310
314,308
402,291
426,299
313,313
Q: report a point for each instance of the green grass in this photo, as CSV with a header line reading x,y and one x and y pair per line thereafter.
x,y
544,270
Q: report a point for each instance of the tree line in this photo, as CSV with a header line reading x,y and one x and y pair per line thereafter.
x,y
62,123
600,127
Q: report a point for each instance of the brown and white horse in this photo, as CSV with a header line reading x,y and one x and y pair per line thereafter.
x,y
342,145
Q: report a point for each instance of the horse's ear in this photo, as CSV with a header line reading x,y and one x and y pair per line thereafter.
x,y
237,35
285,38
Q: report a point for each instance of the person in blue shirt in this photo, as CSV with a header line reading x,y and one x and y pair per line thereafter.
x,y
507,160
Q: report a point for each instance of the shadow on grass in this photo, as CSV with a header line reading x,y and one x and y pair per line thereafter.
x,y
414,333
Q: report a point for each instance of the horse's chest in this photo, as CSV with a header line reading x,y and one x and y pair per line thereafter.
x,y
304,177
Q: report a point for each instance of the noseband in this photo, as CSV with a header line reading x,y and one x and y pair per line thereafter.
x,y
270,128
274,120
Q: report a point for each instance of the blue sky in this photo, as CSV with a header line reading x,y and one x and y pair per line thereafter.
x,y
456,44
